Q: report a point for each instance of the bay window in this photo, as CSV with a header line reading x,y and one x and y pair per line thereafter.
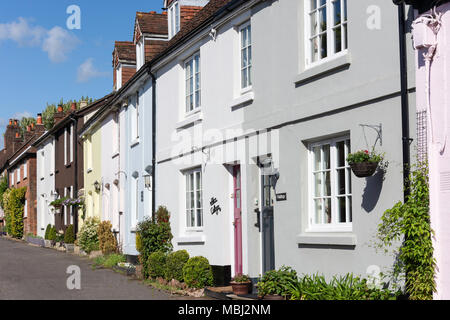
x,y
330,186
326,28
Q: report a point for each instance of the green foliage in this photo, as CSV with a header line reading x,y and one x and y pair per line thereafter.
x,y
157,264
410,222
197,273
162,215
174,265
47,232
107,241
24,123
87,236
58,202
277,282
364,156
153,236
14,209
241,278
48,115
69,236
3,188
113,260
347,287
7,219
52,234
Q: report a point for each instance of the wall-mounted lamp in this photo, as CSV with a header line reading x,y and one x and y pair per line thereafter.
x,y
97,186
148,181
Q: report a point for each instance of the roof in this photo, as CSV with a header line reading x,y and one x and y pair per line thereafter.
x,y
152,23
126,50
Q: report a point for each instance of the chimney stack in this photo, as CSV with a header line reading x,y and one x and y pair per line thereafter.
x,y
59,114
40,128
73,107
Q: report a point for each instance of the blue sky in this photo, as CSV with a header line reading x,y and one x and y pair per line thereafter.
x,y
43,61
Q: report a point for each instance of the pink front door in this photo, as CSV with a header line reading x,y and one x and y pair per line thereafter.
x,y
237,220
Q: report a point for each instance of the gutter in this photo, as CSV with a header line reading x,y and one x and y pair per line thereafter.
x,y
75,187
153,144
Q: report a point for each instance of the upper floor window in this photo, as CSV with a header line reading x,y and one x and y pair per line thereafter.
x,y
68,145
331,190
193,83
194,201
246,56
326,28
18,175
174,19
140,53
135,117
25,170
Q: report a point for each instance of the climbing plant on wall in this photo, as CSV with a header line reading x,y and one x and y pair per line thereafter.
x,y
409,222
14,208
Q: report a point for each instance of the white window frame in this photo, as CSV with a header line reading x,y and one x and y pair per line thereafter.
x,y
194,76
174,19
140,53
42,166
135,118
334,226
25,170
25,209
248,67
71,143
331,52
18,175
191,174
119,77
89,153
65,146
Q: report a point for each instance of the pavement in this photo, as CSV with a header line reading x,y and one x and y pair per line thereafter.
x,y
33,273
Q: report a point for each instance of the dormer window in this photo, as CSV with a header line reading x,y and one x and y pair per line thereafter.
x,y
174,19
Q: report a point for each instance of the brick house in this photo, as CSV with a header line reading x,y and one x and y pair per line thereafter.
x,y
22,173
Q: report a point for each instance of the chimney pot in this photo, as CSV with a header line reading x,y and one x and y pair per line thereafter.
x,y
10,122
17,135
15,122
152,12
60,108
73,107
39,119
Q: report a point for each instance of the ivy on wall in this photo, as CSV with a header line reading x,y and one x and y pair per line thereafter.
x,y
409,222
14,201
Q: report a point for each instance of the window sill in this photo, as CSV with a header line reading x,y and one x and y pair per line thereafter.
x,y
327,239
191,120
198,239
339,63
244,99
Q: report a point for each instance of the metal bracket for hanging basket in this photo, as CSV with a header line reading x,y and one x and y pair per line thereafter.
x,y
378,129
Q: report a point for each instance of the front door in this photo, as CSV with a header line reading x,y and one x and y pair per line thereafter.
x,y
268,241
237,220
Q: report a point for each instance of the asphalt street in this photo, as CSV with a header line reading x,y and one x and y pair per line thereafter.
x,y
32,273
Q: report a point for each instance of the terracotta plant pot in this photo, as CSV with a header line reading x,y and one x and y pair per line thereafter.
x,y
364,169
241,288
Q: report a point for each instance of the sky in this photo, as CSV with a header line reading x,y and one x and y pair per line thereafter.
x,y
44,59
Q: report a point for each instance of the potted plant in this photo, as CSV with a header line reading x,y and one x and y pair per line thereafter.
x,y
57,204
364,163
241,284
276,284
69,239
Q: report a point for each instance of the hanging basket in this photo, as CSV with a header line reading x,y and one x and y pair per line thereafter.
x,y
364,169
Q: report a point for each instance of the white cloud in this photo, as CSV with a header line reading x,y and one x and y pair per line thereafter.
x,y
87,71
57,42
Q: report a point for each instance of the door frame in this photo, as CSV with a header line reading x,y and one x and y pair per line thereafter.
x,y
237,229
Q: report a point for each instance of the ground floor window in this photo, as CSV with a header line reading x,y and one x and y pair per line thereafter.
x,y
330,184
194,203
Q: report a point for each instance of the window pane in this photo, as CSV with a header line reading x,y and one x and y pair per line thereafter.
x,y
350,209
318,184
244,58
327,183
199,218
249,35
337,39
342,209
326,157
238,199
345,36
323,46
345,10
349,179
337,12
314,49
249,74
313,4
340,146
317,158
323,19
249,53
327,211
244,78
244,37
318,210
323,2
314,29
341,181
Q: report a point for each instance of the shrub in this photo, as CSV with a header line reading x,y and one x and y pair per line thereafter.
x,y
14,201
277,282
69,236
157,264
174,265
241,278
88,237
347,287
197,273
107,241
113,260
52,234
154,236
47,232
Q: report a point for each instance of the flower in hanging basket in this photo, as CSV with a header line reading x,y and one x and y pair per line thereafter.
x,y
364,163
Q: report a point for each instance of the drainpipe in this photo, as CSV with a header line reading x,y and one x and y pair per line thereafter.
x,y
75,187
406,140
153,142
